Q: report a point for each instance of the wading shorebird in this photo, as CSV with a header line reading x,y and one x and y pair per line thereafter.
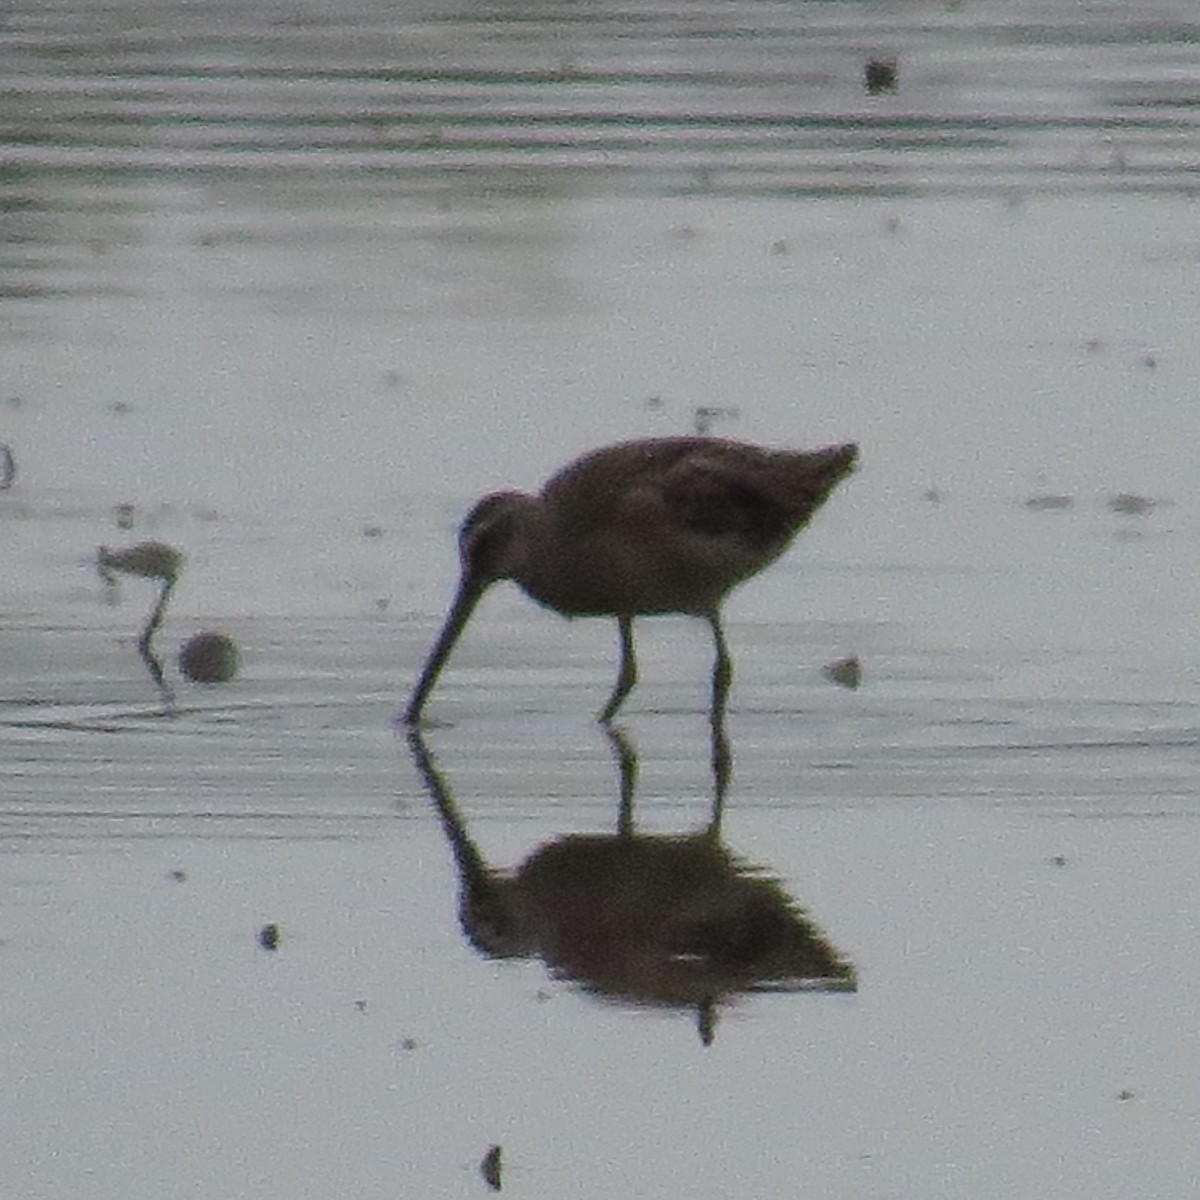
x,y
148,560
665,525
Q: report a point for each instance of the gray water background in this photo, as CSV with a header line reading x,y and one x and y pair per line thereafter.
x,y
298,283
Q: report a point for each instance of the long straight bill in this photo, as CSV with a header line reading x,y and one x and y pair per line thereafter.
x,y
469,591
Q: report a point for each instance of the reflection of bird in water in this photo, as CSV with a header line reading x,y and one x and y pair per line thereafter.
x,y
645,919
668,525
147,560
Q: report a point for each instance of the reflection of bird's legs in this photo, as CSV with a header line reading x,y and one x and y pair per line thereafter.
x,y
627,763
707,1011
153,665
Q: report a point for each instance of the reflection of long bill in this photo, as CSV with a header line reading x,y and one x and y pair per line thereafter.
x,y
469,591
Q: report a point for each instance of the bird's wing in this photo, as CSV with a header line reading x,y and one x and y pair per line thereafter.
x,y
715,498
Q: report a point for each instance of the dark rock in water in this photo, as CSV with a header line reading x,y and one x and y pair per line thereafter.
x,y
268,937
210,658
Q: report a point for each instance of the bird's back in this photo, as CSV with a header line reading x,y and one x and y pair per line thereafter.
x,y
671,524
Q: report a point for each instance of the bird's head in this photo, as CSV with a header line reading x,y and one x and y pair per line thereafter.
x,y
493,538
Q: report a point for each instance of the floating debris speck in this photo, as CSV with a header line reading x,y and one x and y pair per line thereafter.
x,y
1130,504
490,1168
846,672
8,467
881,76
269,936
704,416
1049,502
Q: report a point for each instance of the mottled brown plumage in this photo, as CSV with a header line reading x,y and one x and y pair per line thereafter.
x,y
667,525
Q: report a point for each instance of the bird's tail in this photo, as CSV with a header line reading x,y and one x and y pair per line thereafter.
x,y
815,474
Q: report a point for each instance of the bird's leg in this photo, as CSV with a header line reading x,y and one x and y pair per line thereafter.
x,y
627,675
722,677
153,665
156,615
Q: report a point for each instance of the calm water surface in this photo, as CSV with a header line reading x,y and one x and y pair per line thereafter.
x,y
296,282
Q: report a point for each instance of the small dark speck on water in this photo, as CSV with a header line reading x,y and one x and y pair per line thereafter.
x,y
704,415
1049,503
490,1168
178,875
1129,504
409,1043
372,531
881,76
846,672
268,936
1125,1094
361,1005
1058,860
